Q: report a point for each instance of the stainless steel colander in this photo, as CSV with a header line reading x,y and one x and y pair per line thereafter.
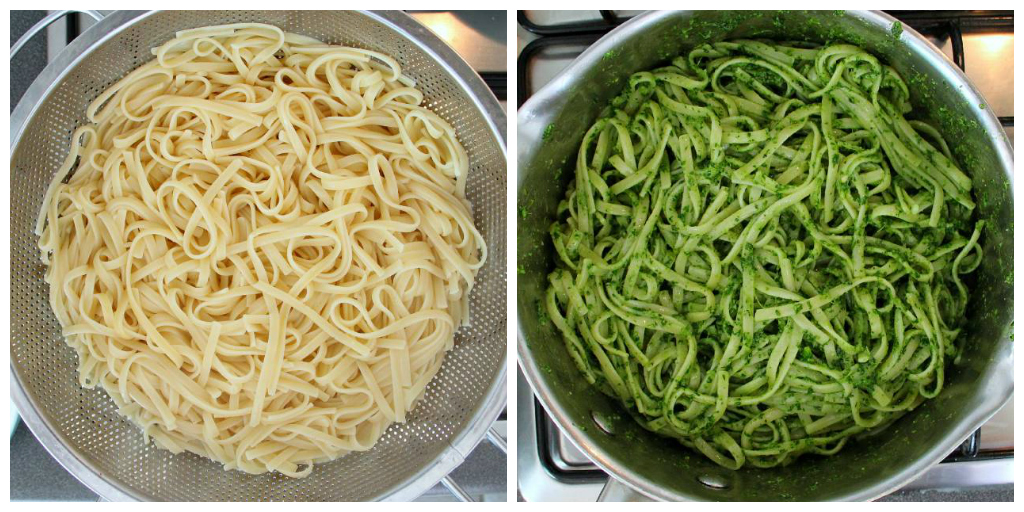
x,y
81,428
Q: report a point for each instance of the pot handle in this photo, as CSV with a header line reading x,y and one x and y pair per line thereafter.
x,y
615,490
46,22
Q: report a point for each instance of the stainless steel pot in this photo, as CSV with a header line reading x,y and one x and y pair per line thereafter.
x,y
550,127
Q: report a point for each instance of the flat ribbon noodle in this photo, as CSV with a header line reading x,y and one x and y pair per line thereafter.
x,y
759,255
260,246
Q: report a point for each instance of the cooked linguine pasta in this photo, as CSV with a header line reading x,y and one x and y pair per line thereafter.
x,y
760,255
260,246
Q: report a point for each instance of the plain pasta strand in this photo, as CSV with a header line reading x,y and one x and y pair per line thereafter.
x,y
260,247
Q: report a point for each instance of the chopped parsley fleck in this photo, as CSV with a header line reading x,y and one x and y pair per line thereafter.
x,y
548,131
896,29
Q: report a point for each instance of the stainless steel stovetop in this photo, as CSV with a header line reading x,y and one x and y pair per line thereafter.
x,y
550,467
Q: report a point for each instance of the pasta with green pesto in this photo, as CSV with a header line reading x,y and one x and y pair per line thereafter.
x,y
761,254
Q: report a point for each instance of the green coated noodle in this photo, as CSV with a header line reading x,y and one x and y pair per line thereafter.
x,y
756,255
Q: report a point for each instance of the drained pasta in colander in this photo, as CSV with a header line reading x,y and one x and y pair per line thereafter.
x,y
260,246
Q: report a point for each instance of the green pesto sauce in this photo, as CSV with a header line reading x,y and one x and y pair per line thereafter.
x,y
896,30
624,291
